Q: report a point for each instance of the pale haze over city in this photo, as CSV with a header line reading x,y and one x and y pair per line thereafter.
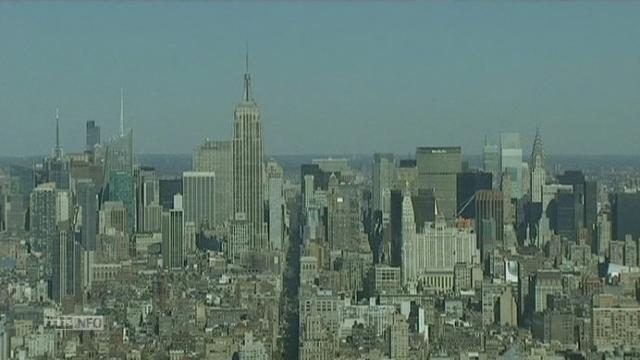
x,y
336,77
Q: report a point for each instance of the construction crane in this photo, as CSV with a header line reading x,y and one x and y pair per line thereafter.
x,y
465,205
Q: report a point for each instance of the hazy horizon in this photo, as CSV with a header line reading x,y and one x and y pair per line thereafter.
x,y
328,78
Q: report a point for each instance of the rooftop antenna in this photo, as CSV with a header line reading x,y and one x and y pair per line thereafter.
x,y
57,150
121,112
246,58
57,128
247,77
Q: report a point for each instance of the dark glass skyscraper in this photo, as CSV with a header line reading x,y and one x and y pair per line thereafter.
x,y
489,220
626,207
93,135
121,188
63,269
87,199
468,183
568,215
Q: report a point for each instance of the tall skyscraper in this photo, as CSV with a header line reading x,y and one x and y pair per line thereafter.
x,y
121,188
569,215
511,161
344,222
383,177
602,234
626,207
217,157
491,161
489,220
537,179
276,205
93,135
571,206
113,241
537,169
547,223
199,190
43,207
468,183
173,237
15,209
63,262
119,154
248,204
55,168
87,199
409,266
147,195
406,176
438,168
152,218
168,188
590,205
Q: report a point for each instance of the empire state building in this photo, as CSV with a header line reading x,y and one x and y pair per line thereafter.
x,y
248,204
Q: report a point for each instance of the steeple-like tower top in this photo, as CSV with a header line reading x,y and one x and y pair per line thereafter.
x,y
537,153
408,216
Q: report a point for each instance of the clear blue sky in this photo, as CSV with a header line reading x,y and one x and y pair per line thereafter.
x,y
337,77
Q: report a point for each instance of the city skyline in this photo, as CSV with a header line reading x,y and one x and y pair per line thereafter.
x,y
424,209
428,81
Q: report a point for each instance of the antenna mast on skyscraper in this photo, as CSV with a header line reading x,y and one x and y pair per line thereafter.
x,y
246,59
121,112
57,150
247,77
57,128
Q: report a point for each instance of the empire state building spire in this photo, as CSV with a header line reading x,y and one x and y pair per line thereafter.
x,y
248,198
247,78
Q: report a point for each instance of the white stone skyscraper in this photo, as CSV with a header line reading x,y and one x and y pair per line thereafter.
x,y
537,181
409,268
248,203
275,191
511,162
383,177
216,157
199,188
537,169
